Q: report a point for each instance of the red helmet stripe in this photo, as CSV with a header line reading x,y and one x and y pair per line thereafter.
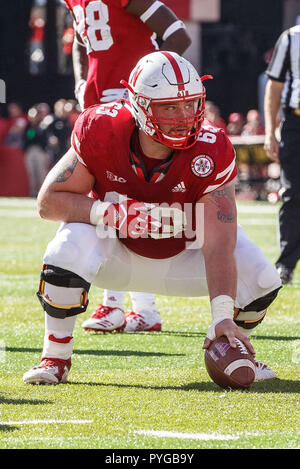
x,y
177,71
135,75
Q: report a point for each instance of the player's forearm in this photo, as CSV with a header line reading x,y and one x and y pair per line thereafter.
x,y
177,42
272,105
163,21
65,206
221,273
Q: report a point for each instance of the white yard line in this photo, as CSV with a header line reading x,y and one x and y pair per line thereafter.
x,y
186,436
206,436
258,209
43,422
18,213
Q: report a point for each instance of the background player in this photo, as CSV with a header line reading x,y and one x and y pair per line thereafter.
x,y
165,122
283,91
111,36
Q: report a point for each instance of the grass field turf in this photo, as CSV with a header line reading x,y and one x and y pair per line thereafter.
x,y
144,390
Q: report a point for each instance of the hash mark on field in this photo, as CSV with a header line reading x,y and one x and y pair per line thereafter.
x,y
186,436
44,422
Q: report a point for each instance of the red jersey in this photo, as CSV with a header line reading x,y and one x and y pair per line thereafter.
x,y
115,40
102,139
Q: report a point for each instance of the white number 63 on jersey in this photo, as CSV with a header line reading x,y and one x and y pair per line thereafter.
x,y
109,109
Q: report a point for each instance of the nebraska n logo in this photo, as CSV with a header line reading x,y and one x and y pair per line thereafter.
x,y
135,75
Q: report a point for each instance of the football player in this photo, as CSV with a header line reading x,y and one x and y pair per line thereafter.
x,y
111,35
166,224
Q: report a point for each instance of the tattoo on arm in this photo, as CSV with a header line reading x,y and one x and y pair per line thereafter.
x,y
66,171
223,200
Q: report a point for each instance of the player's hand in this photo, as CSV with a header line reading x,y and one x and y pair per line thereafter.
x,y
113,94
79,93
228,328
271,147
131,218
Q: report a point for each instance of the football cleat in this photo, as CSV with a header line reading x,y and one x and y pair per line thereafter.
x,y
263,372
49,371
105,319
143,321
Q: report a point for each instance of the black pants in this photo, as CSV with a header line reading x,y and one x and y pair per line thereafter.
x,y
289,214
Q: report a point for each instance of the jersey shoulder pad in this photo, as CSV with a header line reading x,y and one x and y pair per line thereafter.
x,y
98,126
214,162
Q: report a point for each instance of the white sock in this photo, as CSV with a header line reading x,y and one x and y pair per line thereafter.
x,y
58,340
142,301
113,299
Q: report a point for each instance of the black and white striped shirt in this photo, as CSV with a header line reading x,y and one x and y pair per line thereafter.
x,y
285,66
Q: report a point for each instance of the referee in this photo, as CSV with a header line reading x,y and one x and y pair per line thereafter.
x,y
283,89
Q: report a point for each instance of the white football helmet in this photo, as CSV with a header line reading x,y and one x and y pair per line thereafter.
x,y
163,77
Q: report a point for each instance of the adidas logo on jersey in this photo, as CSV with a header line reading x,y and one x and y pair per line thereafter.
x,y
179,188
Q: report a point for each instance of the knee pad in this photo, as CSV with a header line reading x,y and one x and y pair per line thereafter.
x,y
253,314
62,278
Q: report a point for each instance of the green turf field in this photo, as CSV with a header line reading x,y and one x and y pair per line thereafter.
x,y
145,390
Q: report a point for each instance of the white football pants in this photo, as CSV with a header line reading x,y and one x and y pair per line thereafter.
x,y
107,263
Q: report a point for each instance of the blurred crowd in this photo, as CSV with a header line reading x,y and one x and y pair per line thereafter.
x,y
258,179
42,134
237,123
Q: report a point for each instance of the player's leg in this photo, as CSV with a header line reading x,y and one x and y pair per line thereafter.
x,y
258,286
63,295
109,316
289,214
71,262
144,315
289,230
184,275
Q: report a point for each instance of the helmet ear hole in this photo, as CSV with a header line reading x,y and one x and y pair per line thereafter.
x,y
143,102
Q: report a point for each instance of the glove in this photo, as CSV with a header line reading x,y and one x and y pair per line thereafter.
x,y
131,218
79,93
173,221
113,94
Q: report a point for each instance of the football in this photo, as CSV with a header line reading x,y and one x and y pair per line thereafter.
x,y
229,367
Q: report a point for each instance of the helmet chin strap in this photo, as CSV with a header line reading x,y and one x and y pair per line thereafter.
x,y
124,83
178,139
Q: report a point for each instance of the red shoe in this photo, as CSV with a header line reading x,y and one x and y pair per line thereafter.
x,y
105,319
49,371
